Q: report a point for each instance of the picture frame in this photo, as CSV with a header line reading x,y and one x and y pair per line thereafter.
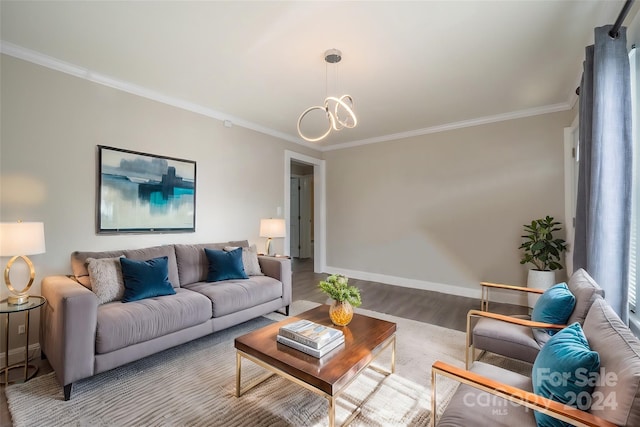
x,y
144,193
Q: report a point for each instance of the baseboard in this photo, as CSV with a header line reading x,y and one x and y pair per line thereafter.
x,y
16,355
496,296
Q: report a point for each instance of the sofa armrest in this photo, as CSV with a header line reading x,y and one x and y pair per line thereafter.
x,y
517,396
487,286
280,269
68,329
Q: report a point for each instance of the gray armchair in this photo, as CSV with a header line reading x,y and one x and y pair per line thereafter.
x,y
492,396
513,336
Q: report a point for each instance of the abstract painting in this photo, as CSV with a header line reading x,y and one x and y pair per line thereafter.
x,y
144,193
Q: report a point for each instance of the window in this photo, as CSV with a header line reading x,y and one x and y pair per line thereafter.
x,y
634,258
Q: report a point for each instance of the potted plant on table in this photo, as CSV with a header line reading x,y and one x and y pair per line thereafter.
x,y
345,298
543,250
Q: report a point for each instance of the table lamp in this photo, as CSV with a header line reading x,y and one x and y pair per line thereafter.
x,y
17,240
271,228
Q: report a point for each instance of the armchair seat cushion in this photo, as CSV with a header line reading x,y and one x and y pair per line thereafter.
x,y
506,339
122,324
470,406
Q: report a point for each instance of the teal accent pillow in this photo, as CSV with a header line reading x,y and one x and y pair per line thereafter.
x,y
565,370
555,306
225,265
145,279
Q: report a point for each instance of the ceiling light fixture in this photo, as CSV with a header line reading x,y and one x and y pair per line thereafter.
x,y
333,106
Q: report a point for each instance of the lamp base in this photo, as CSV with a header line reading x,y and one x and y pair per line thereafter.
x,y
17,299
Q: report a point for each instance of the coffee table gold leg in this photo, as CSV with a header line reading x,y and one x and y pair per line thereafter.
x,y
332,411
238,369
393,355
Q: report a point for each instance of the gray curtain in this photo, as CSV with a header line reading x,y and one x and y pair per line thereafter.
x,y
603,211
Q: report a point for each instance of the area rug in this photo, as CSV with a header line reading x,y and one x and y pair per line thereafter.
x,y
194,385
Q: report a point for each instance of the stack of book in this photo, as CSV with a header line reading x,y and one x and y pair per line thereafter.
x,y
310,338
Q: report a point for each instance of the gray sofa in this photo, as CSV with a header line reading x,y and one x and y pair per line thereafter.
x,y
82,338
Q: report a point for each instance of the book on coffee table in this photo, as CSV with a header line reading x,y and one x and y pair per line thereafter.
x,y
310,334
318,353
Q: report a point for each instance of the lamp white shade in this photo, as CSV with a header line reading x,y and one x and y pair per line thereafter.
x,y
21,238
272,227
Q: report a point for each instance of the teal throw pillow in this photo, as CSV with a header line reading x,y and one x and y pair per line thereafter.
x,y
225,265
145,279
555,306
565,370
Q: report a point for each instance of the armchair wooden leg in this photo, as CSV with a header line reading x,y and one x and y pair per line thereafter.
x,y
433,398
469,345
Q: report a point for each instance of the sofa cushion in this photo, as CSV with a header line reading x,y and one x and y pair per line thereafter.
x,y
157,252
79,264
234,295
617,394
106,278
81,274
586,290
554,306
561,372
472,407
249,259
225,265
145,279
120,325
192,261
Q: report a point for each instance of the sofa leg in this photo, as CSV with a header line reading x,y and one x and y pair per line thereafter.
x,y
67,392
286,310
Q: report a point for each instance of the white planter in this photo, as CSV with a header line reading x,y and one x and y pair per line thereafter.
x,y
541,279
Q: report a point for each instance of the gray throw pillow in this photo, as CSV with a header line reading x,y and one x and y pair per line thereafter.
x,y
106,278
249,259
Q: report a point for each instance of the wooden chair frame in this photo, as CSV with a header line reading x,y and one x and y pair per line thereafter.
x,y
483,312
530,400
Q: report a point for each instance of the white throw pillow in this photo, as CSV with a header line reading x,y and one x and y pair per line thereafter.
x,y
106,278
249,259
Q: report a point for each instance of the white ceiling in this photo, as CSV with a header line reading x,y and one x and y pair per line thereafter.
x,y
411,67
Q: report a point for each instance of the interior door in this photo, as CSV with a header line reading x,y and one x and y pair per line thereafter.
x,y
305,185
294,227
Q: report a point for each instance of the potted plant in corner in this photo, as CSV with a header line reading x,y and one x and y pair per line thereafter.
x,y
543,251
345,298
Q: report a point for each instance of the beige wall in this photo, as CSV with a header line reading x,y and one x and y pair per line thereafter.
x,y
444,211
51,124
440,211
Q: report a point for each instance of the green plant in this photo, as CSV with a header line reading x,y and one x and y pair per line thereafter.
x,y
540,248
337,287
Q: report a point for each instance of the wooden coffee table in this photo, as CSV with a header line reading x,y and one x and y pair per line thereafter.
x,y
365,338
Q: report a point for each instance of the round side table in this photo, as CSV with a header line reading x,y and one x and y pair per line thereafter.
x,y
8,309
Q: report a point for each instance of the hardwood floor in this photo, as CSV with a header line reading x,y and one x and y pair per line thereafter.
x,y
440,309
449,311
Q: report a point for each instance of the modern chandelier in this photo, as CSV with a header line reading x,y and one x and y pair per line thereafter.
x,y
339,111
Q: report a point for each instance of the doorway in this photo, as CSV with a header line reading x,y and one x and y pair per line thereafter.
x,y
301,206
312,171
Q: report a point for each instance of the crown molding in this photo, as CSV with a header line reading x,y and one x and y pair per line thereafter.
x,y
38,58
554,108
